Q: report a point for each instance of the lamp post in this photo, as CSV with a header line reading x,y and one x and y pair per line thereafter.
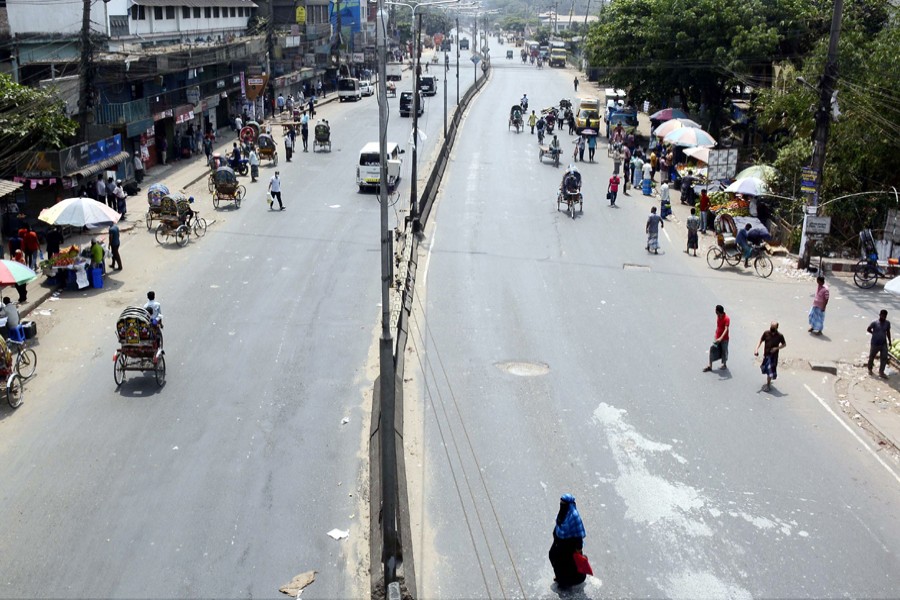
x,y
414,184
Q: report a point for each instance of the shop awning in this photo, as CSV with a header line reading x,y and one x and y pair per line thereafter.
x,y
199,3
8,187
103,165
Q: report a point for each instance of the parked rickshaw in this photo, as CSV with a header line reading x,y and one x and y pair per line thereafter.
x,y
267,148
140,346
13,382
155,194
174,215
322,136
227,188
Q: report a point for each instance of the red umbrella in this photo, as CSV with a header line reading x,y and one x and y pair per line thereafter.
x,y
668,113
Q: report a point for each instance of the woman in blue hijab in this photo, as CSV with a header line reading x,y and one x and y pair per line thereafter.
x,y
568,538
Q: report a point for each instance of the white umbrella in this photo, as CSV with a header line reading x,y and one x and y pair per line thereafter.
x,y
750,186
689,136
673,124
700,153
80,212
893,286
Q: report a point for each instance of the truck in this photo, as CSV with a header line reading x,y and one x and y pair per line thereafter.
x,y
558,57
463,43
393,71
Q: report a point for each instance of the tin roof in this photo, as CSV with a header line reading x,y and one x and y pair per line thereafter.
x,y
200,3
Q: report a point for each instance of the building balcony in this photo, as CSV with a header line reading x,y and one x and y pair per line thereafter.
x,y
123,112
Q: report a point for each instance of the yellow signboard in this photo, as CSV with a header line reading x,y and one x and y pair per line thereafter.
x,y
301,14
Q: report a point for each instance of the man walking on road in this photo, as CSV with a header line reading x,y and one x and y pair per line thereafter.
x,y
881,341
576,83
304,130
654,222
612,190
817,312
532,121
719,348
275,189
114,242
693,225
288,147
772,342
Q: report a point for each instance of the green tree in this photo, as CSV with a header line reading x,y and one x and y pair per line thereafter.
x,y
696,51
30,119
863,152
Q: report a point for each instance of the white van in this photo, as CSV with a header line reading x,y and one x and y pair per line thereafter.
x,y
348,89
368,171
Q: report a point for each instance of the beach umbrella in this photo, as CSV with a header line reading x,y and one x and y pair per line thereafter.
x,y
700,153
673,124
15,273
764,172
668,113
750,186
80,212
690,136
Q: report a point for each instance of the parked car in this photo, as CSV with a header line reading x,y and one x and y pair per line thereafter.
x,y
406,104
366,88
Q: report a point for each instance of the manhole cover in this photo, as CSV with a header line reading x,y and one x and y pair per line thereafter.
x,y
632,267
524,369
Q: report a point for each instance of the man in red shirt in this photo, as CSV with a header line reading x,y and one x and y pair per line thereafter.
x,y
31,245
719,348
704,211
613,190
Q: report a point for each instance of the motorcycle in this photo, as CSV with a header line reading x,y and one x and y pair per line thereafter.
x,y
241,168
565,104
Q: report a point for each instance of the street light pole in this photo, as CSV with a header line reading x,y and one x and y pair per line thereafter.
x,y
414,184
457,61
386,370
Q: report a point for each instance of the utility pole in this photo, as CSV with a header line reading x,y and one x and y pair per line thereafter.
x,y
86,93
336,47
457,61
386,372
270,59
413,184
823,124
587,11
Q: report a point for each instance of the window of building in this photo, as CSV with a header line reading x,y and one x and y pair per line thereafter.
x,y
233,12
170,12
196,12
185,12
207,12
158,13
215,12
138,13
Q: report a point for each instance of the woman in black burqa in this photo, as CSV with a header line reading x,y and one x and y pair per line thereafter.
x,y
568,538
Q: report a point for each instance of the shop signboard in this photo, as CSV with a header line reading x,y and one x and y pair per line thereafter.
x,y
184,113
193,95
818,225
808,180
255,86
357,57
300,14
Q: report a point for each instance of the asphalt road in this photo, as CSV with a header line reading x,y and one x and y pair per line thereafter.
x,y
562,357
224,482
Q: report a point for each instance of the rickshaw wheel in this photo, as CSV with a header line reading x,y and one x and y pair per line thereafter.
x,y
763,266
211,184
119,369
26,363
239,194
182,236
733,260
216,200
715,258
199,227
161,233
15,391
149,219
160,371
865,276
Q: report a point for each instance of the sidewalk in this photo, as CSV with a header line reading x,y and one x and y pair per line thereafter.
x,y
177,175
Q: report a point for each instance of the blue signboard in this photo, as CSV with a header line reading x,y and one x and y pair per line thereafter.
x,y
350,14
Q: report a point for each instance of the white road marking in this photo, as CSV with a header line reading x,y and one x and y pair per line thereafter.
x,y
859,439
666,233
428,256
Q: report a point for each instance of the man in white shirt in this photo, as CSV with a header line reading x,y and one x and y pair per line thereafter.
x,y
101,190
138,168
238,124
275,189
154,308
